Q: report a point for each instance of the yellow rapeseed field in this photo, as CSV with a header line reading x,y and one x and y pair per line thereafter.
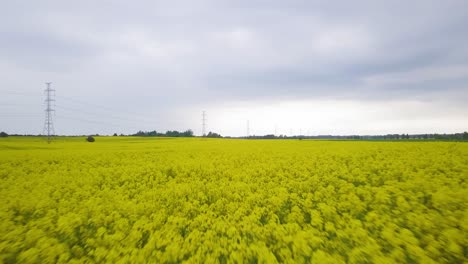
x,y
167,200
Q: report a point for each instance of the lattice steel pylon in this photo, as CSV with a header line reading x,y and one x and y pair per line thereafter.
x,y
49,122
203,124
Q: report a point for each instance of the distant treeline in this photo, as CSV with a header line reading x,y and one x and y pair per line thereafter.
x,y
189,133
154,133
457,136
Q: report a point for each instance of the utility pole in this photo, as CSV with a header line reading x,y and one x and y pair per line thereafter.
x,y
203,123
48,122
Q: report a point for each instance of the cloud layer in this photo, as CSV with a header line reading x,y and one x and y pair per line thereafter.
x,y
157,59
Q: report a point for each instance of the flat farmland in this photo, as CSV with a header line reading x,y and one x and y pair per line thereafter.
x,y
195,200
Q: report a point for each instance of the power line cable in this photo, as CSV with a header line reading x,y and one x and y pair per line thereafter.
x,y
19,93
113,125
122,118
105,108
129,115
76,101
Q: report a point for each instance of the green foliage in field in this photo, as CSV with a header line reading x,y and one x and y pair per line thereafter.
x,y
164,200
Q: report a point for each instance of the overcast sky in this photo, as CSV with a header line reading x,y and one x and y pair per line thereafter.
x,y
310,67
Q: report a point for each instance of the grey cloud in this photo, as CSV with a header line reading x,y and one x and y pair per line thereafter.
x,y
177,53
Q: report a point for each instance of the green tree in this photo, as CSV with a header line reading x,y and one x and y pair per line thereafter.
x,y
213,135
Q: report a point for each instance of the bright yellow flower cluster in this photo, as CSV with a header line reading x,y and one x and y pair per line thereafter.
x,y
165,200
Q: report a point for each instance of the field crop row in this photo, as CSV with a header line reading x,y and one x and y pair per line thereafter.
x,y
133,200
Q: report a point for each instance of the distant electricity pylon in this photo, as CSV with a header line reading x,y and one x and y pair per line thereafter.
x,y
49,123
203,123
248,128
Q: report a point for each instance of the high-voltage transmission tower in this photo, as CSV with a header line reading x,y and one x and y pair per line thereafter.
x,y
248,128
204,124
48,122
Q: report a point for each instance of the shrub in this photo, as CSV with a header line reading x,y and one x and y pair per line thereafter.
x,y
3,134
90,139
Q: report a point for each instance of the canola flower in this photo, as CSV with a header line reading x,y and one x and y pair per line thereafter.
x,y
166,200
